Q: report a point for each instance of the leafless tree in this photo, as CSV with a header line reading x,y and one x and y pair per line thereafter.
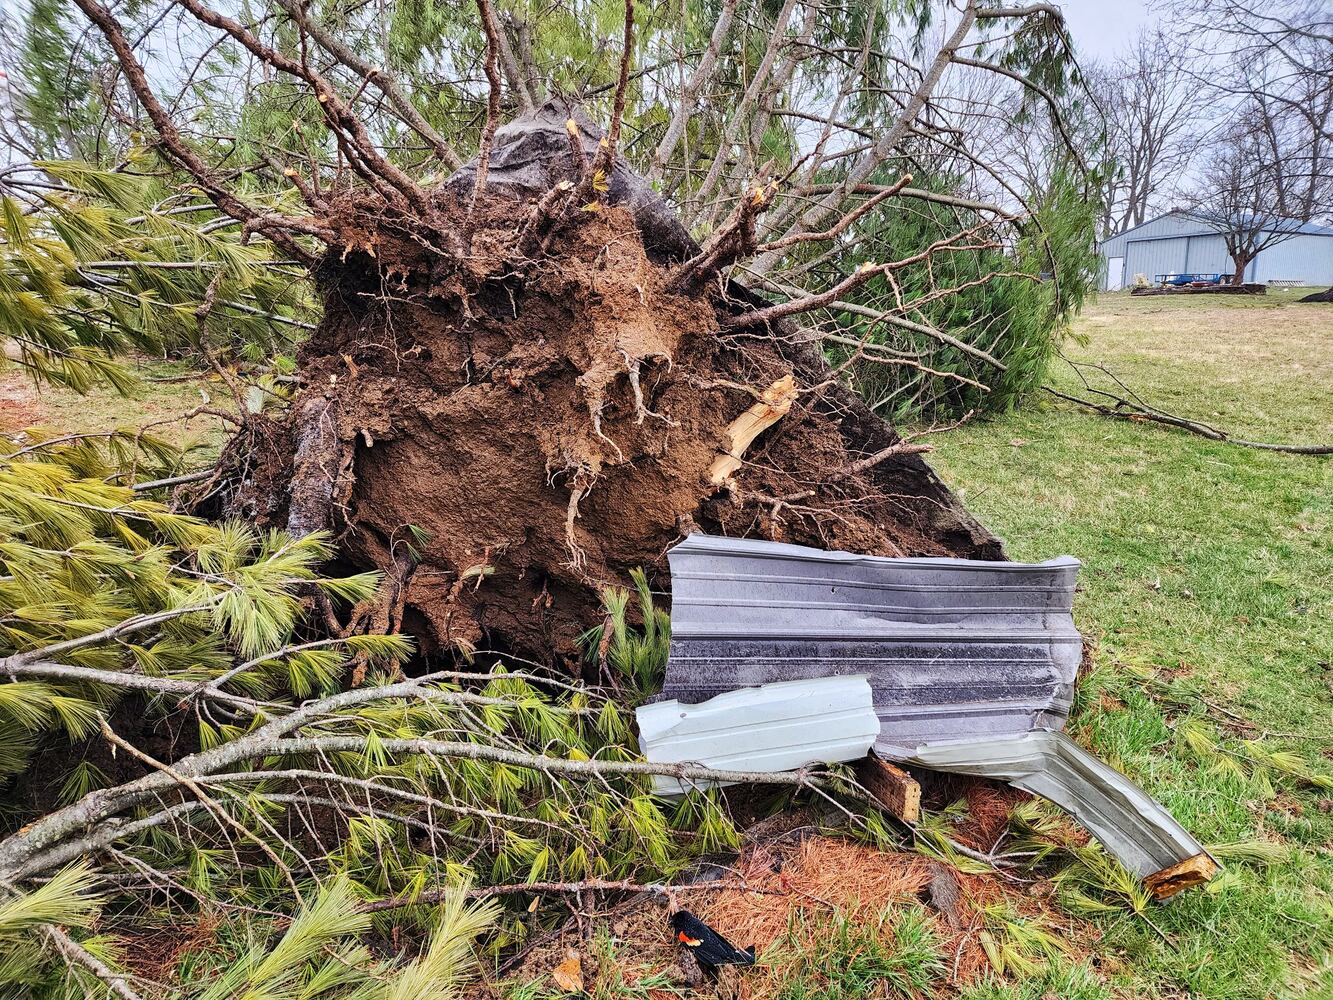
x,y
1239,194
1295,139
1148,102
1279,51
1269,64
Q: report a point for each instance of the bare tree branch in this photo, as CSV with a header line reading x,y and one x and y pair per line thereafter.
x,y
378,76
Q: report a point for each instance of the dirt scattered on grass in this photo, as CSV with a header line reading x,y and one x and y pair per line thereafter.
x,y
20,406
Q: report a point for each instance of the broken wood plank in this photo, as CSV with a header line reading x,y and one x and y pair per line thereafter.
x,y
896,790
742,431
1178,877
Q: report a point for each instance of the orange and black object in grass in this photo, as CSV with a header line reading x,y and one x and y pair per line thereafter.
x,y
710,949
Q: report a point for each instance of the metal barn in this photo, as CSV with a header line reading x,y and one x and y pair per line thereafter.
x,y
1179,242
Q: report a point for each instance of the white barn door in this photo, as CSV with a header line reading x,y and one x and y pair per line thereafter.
x,y
1115,273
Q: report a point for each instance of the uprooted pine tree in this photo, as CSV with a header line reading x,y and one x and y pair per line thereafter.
x,y
511,405
528,378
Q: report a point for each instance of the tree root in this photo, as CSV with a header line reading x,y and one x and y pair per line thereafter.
x,y
381,614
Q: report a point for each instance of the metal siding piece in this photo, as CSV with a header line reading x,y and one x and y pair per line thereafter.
x,y
1133,826
952,647
971,665
777,727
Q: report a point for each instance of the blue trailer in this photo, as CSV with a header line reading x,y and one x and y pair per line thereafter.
x,y
1180,280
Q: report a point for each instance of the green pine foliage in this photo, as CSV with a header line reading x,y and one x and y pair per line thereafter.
x,y
102,263
60,108
1014,302
320,955
637,654
106,596
97,578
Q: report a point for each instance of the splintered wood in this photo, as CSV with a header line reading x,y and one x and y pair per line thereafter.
x,y
895,790
742,431
1179,877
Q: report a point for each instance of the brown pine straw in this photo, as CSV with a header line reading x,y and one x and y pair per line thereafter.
x,y
826,878
795,892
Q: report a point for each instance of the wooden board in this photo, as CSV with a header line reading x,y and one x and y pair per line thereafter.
x,y
896,790
1190,872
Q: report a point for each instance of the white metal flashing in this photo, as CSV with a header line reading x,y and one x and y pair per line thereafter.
x,y
775,727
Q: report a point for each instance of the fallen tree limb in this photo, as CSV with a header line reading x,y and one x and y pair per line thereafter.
x,y
189,477
76,954
379,77
92,822
1120,408
491,67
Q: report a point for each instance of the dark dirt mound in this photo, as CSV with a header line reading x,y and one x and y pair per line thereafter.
x,y
505,433
1325,296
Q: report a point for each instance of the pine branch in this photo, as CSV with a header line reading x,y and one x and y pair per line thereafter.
x,y
77,955
275,226
59,836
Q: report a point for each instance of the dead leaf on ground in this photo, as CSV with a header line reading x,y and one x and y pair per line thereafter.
x,y
568,975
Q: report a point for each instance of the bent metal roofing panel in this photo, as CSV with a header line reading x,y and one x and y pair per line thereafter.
x,y
953,648
777,727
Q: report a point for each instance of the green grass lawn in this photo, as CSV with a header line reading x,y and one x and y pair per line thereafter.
x,y
166,393
1211,564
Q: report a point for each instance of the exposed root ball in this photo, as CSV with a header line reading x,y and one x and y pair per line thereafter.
x,y
525,431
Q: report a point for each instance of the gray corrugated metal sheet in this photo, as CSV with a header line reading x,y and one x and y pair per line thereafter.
x,y
1125,819
953,648
777,727
971,665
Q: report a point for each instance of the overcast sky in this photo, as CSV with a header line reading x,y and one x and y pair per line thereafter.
x,y
1101,28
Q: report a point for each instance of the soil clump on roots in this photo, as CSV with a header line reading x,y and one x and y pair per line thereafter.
x,y
506,431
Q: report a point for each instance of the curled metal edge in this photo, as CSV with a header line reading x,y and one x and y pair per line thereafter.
x,y
1134,827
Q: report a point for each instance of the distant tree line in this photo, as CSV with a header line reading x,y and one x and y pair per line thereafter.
x,y
1227,113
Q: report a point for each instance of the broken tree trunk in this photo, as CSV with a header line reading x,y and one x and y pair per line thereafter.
x,y
528,424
